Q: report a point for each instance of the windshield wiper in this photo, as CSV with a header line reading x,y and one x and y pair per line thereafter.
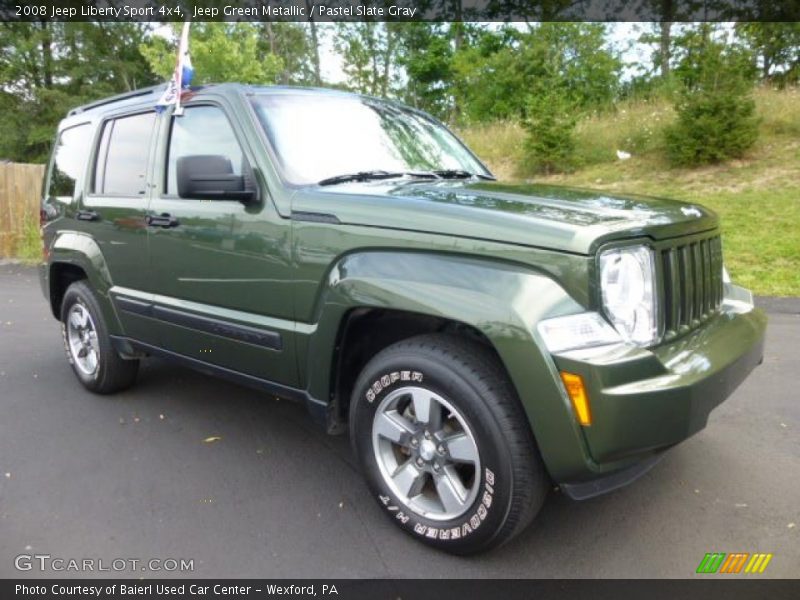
x,y
381,174
459,174
359,176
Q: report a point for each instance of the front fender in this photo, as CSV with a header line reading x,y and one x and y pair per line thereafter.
x,y
503,301
81,250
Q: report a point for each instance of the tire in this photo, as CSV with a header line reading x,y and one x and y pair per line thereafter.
x,y
478,432
87,337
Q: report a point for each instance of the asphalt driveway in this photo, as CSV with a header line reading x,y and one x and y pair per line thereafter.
x,y
130,476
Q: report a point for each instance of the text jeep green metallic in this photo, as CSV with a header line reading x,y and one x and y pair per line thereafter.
x,y
481,340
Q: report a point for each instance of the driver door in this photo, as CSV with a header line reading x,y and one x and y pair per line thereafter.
x,y
222,266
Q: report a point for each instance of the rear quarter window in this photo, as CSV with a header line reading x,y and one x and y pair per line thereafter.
x,y
122,156
69,162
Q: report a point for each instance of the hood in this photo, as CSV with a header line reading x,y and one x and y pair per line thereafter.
x,y
552,217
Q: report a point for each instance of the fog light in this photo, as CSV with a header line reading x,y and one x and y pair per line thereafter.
x,y
577,394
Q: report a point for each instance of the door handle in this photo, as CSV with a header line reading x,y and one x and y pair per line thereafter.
x,y
162,220
87,215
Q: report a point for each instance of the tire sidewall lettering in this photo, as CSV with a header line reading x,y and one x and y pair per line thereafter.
x,y
389,379
469,525
486,504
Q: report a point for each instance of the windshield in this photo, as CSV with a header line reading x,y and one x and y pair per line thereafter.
x,y
321,136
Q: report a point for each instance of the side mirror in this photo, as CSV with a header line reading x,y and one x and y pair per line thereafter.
x,y
211,177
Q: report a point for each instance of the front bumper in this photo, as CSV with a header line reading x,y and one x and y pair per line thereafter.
x,y
644,401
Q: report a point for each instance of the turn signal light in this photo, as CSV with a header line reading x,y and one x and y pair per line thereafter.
x,y
577,394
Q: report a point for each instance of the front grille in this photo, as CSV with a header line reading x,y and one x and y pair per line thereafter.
x,y
692,284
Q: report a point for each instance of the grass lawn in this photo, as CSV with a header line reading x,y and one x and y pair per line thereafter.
x,y
757,197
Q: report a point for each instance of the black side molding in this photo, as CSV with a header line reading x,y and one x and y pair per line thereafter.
x,y
315,217
137,307
226,329
243,333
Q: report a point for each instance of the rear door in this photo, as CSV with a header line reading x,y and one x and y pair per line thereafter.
x,y
222,267
113,211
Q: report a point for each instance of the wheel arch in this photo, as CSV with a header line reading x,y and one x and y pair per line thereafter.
x,y
76,256
385,296
365,331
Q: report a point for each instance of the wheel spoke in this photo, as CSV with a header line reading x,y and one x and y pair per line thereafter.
x,y
75,319
93,341
461,448
409,479
427,410
91,360
84,316
393,426
451,491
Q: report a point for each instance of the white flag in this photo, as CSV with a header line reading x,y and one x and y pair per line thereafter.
x,y
181,77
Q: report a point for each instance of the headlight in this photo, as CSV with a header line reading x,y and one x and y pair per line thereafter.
x,y
627,284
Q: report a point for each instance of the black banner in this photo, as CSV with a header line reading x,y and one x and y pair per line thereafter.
x,y
405,589
400,10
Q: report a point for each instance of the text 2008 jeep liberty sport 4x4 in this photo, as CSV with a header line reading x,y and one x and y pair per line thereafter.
x,y
481,340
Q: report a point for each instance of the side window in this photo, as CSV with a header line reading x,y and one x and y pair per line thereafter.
x,y
202,130
69,161
121,166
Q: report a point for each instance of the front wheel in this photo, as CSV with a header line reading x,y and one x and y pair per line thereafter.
x,y
444,443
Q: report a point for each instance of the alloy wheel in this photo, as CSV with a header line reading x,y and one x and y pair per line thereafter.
x,y
82,340
426,453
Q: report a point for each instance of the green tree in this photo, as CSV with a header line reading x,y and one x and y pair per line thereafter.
x,y
550,131
426,55
496,70
296,44
293,44
47,68
776,48
220,52
369,52
715,110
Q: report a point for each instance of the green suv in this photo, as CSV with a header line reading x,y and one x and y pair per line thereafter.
x,y
480,341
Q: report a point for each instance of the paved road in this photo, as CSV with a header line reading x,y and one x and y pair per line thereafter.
x,y
130,477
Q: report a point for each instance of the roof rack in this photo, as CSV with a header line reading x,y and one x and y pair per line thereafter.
x,y
117,98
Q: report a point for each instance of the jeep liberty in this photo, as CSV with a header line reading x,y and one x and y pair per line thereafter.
x,y
481,342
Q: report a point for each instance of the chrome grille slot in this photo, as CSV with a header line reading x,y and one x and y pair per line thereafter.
x,y
692,284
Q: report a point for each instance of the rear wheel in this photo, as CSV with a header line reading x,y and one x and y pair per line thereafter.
x,y
93,358
445,445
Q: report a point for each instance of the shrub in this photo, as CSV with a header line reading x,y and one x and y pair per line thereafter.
x,y
549,145
711,128
715,113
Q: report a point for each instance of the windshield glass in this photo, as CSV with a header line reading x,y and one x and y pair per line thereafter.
x,y
322,136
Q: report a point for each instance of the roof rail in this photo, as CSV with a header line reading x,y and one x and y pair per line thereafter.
x,y
117,98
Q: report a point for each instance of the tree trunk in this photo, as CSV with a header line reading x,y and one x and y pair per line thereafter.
x,y
666,48
47,55
271,37
387,62
457,33
372,44
314,45
665,45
